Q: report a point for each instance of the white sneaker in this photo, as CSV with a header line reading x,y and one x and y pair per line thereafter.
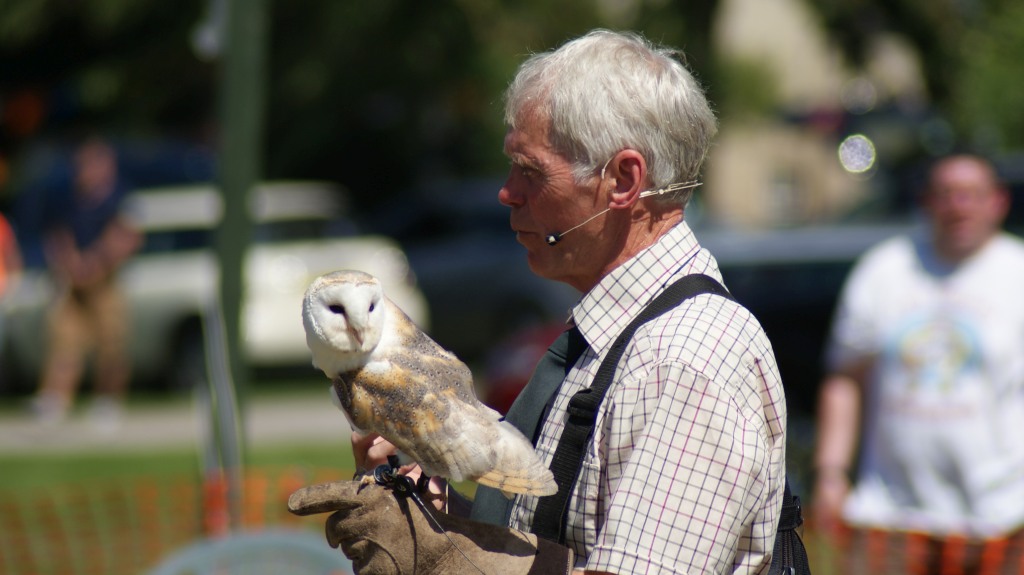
x,y
105,414
48,410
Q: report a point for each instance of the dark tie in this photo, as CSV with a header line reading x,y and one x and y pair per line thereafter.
x,y
528,410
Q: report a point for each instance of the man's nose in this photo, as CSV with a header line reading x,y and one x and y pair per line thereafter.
x,y
508,197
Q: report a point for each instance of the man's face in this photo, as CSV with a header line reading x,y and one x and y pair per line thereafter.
x,y
544,199
96,170
967,206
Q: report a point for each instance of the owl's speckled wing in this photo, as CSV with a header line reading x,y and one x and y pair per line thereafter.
x,y
421,398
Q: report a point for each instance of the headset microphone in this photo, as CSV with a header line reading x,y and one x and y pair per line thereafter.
x,y
553,239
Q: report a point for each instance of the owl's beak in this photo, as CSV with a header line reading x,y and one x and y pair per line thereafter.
x,y
357,335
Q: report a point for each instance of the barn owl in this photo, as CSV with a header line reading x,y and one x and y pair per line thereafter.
x,y
390,378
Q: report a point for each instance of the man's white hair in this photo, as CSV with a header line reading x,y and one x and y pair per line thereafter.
x,y
608,91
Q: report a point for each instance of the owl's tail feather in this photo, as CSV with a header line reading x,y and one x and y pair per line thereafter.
x,y
517,468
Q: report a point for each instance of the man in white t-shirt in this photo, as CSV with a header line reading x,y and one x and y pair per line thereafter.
x,y
926,363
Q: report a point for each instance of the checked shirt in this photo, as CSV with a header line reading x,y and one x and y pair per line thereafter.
x,y
686,467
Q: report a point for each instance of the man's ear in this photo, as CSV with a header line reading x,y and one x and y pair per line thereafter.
x,y
628,174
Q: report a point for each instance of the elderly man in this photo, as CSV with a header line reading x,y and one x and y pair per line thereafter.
x,y
684,470
926,353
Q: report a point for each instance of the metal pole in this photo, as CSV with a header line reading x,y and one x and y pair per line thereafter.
x,y
241,147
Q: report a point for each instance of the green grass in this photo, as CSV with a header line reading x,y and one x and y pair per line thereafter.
x,y
46,471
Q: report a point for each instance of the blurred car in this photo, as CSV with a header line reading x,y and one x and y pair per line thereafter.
x,y
471,270
300,230
788,278
511,362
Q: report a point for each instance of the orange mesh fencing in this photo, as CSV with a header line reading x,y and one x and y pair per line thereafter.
x,y
124,527
882,552
127,526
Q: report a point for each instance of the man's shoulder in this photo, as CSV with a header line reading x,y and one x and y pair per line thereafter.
x,y
1003,257
718,339
709,307
901,245
719,324
1011,243
886,257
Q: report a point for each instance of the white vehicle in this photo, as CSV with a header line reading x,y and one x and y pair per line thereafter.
x,y
300,231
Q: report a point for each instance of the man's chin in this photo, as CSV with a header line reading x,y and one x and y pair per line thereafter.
x,y
539,262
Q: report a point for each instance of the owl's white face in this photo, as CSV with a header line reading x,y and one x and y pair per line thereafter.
x,y
343,314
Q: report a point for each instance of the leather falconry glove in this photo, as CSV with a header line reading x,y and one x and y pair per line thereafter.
x,y
387,534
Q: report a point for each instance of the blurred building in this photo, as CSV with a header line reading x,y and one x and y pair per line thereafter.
x,y
782,166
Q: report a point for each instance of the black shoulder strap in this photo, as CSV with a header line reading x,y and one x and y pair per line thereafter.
x,y
549,518
789,556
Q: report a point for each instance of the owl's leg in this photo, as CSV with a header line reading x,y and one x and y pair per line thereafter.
x,y
423,483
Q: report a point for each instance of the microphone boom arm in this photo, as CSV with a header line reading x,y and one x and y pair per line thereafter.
x,y
553,239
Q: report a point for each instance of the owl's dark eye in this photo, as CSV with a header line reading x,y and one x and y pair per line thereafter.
x,y
338,309
371,307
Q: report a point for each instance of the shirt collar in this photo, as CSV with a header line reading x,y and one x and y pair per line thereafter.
x,y
607,309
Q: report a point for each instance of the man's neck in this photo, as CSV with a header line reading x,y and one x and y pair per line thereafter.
x,y
643,233
953,257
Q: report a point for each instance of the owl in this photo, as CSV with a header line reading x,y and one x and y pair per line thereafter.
x,y
390,378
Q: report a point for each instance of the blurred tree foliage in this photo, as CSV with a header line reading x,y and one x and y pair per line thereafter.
x,y
971,52
124,64
987,97
382,95
374,95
